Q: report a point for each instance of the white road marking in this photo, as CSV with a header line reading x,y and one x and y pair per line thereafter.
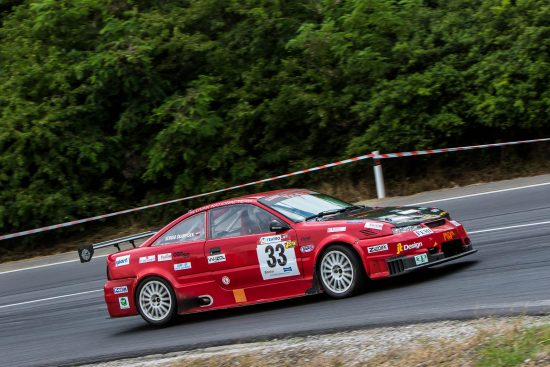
x,y
509,227
46,265
50,298
482,193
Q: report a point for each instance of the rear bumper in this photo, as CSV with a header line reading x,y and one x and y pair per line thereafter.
x,y
407,264
119,297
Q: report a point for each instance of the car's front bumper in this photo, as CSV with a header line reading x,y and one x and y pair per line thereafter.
x,y
406,264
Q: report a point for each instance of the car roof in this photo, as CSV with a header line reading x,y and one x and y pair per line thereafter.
x,y
246,198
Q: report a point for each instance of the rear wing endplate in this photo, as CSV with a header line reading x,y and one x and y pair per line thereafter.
x,y
85,253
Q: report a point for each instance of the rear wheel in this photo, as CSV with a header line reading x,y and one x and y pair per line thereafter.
x,y
341,272
156,301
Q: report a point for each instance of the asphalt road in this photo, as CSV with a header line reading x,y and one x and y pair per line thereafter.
x,y
55,315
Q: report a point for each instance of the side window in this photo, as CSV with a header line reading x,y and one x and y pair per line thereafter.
x,y
239,220
188,230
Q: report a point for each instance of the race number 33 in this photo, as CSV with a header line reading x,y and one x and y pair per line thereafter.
x,y
276,261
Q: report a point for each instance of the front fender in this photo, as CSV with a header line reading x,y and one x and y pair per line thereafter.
x,y
343,238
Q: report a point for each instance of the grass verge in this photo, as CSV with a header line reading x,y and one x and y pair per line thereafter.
x,y
518,347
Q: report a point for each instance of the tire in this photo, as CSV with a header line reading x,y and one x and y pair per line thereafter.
x,y
341,272
156,301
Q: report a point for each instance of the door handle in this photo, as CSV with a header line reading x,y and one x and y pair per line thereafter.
x,y
215,251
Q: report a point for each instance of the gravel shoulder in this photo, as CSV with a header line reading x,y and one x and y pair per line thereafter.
x,y
447,343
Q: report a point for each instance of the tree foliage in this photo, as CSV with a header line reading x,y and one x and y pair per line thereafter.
x,y
109,103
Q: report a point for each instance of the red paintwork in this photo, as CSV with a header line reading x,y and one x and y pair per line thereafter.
x,y
242,264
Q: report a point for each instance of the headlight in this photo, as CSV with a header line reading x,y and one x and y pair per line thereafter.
x,y
406,229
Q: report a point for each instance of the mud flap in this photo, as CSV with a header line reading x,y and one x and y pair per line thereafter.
x,y
315,286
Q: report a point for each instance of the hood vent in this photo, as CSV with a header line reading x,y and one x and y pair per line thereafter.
x,y
368,232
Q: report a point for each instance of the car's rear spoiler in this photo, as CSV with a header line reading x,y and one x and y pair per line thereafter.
x,y
85,253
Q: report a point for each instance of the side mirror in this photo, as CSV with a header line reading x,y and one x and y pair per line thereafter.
x,y
276,226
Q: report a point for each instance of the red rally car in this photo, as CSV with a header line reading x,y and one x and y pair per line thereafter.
x,y
272,246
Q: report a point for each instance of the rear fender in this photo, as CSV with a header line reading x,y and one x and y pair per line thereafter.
x,y
183,303
162,273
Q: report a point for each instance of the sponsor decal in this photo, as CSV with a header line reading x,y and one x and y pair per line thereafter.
x,y
396,218
181,236
377,248
223,203
435,210
182,266
120,290
287,195
219,258
336,229
123,303
226,280
307,238
408,212
270,239
410,246
423,231
146,259
277,261
306,248
122,260
430,216
164,257
449,235
290,244
377,226
455,223
181,254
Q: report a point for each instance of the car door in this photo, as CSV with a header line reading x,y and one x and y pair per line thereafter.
x,y
180,250
242,252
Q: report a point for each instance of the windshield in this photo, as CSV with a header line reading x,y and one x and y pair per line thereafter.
x,y
299,206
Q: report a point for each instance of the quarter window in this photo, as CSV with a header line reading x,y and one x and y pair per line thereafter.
x,y
188,230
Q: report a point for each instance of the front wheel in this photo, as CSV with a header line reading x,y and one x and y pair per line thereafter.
x,y
156,301
341,272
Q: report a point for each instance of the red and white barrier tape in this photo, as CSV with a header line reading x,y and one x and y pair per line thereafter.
x,y
328,165
446,150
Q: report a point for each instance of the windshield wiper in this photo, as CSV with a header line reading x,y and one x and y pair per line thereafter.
x,y
334,211
325,212
354,207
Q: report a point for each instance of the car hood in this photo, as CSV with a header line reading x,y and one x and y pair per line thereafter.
x,y
399,216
